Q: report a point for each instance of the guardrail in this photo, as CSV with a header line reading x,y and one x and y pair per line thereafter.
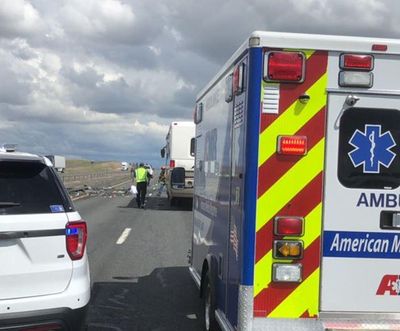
x,y
92,176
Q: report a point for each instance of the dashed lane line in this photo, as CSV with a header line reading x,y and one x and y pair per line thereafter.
x,y
123,236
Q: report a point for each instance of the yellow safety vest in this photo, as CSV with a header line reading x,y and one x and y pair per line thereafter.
x,y
141,175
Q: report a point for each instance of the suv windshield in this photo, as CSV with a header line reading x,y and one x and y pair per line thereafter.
x,y
29,187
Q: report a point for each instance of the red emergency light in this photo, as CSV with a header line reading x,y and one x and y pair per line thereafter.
x,y
292,145
238,79
379,47
285,66
357,62
288,226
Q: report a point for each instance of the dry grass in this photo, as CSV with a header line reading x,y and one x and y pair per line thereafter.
x,y
85,166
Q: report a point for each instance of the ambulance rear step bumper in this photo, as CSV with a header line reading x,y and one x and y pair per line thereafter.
x,y
360,321
339,322
346,323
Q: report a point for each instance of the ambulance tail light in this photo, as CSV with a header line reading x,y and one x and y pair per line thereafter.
x,y
238,79
292,145
356,62
287,273
288,226
172,163
356,70
355,79
288,249
284,67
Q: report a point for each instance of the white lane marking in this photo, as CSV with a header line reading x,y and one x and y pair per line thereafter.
x,y
123,236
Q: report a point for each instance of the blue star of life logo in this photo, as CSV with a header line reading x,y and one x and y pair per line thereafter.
x,y
372,149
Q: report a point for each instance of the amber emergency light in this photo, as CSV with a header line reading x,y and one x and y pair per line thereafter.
x,y
288,249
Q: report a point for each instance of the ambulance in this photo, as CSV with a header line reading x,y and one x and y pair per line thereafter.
x,y
297,198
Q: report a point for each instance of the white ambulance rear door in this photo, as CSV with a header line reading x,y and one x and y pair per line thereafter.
x,y
361,238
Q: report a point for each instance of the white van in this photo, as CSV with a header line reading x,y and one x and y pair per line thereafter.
x,y
179,153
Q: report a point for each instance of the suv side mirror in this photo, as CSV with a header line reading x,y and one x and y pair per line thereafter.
x,y
162,152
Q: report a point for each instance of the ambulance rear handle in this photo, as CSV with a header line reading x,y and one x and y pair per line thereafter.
x,y
351,100
390,220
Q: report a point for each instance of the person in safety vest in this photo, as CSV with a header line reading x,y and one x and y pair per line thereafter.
x,y
141,176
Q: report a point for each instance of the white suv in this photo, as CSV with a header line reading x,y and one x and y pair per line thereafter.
x,y
44,270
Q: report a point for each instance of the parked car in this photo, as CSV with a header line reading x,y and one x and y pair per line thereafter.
x,y
44,273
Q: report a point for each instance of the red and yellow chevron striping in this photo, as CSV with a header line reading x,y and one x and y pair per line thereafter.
x,y
292,186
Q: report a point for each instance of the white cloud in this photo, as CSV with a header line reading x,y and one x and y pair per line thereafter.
x,y
155,50
150,128
18,18
98,19
95,78
361,15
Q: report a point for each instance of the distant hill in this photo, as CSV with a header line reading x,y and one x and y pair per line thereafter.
x,y
86,166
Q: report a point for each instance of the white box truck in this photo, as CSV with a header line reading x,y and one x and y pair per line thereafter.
x,y
179,153
297,196
124,166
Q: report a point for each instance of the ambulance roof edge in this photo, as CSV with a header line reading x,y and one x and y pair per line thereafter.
x,y
307,41
325,42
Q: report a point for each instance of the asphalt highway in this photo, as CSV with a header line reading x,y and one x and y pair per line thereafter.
x,y
139,265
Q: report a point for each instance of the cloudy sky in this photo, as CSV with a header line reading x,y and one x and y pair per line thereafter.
x,y
101,79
